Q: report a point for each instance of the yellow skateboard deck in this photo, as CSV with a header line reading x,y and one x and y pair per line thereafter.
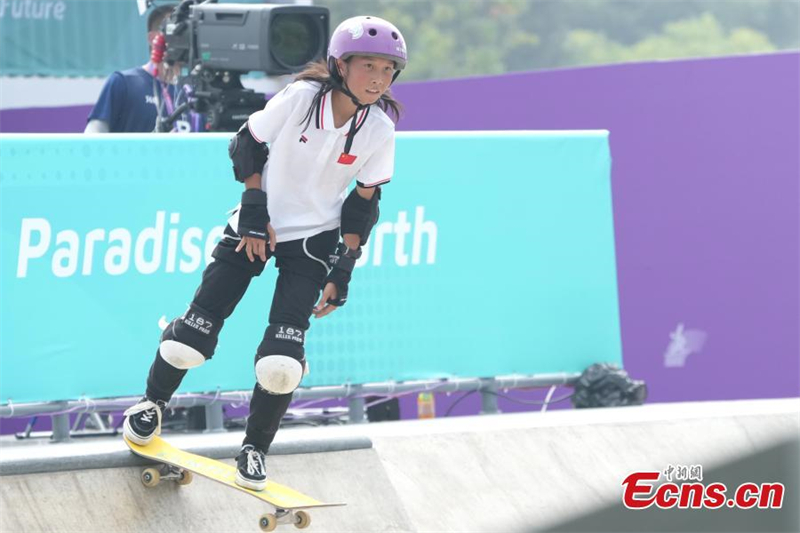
x,y
286,504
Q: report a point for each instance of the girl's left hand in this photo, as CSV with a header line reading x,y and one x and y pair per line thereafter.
x,y
323,307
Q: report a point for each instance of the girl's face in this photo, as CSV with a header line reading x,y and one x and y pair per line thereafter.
x,y
367,77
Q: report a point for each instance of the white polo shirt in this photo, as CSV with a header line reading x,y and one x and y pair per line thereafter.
x,y
307,176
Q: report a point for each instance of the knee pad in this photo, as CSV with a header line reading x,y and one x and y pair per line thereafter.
x,y
191,339
280,359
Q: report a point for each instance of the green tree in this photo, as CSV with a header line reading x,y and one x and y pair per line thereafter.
x,y
457,38
452,38
702,36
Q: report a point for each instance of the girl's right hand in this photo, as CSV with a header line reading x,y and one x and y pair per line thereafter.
x,y
258,247
323,307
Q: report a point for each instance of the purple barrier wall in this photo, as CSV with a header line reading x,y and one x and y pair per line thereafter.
x,y
70,119
706,183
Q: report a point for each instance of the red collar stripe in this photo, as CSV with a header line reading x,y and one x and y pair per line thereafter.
x,y
360,120
322,111
322,114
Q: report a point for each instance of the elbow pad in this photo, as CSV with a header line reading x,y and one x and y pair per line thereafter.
x,y
359,216
248,155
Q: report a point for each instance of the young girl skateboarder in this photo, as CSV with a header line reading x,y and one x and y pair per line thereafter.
x,y
296,158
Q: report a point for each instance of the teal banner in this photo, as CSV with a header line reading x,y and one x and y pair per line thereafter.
x,y
494,255
71,37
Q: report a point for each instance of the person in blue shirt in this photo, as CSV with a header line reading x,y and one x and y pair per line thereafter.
x,y
132,100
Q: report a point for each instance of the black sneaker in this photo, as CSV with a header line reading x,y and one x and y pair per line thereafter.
x,y
251,473
143,421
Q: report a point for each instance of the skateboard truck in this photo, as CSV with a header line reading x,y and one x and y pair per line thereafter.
x,y
269,521
153,476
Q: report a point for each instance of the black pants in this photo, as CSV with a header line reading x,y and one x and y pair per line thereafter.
x,y
301,274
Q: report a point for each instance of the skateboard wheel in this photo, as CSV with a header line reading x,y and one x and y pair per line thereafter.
x,y
302,520
186,478
268,522
150,477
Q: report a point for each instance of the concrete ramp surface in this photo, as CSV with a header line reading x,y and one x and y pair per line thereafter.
x,y
516,472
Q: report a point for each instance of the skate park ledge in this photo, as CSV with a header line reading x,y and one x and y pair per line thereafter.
x,y
41,455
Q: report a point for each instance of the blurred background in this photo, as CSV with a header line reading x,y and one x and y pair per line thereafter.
x,y
700,98
640,187
451,39
58,53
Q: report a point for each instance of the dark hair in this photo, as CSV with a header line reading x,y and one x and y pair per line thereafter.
x,y
318,71
157,16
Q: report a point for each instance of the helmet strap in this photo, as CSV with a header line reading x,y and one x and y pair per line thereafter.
x,y
353,129
338,82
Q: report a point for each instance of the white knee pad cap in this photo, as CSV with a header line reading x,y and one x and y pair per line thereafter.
x,y
180,355
279,374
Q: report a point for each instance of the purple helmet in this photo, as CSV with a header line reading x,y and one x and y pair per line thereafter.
x,y
370,36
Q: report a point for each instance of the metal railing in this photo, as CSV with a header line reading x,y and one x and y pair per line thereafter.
x,y
356,395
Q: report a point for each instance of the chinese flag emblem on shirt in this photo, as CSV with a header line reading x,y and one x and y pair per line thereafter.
x,y
347,159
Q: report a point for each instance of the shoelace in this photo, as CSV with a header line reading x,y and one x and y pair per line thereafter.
x,y
255,462
150,408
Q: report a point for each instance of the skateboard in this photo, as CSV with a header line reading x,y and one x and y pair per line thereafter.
x,y
286,505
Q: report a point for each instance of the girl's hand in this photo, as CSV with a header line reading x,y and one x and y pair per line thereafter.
x,y
323,307
258,247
